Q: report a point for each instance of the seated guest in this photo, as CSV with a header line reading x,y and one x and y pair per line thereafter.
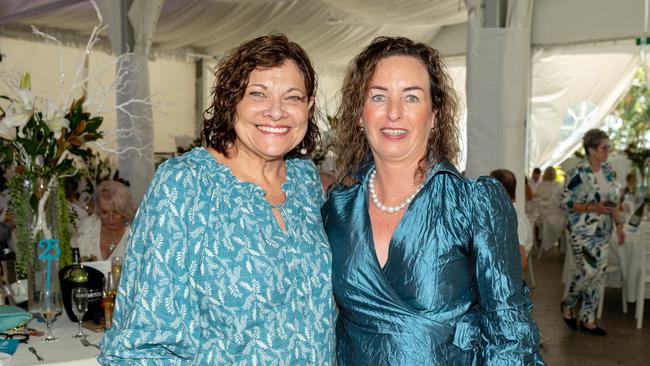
x,y
535,179
103,234
628,193
72,194
524,231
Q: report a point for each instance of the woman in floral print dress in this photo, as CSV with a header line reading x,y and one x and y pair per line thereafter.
x,y
589,192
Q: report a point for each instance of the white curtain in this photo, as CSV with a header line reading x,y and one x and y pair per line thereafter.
x,y
498,61
573,90
133,96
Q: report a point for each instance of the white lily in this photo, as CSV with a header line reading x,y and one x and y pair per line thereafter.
x,y
53,118
18,113
7,132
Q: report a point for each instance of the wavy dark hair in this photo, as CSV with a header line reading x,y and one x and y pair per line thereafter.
x,y
351,147
232,74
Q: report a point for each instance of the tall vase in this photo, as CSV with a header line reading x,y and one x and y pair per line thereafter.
x,y
44,189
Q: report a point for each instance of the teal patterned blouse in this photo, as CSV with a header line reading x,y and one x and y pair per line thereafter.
x,y
210,279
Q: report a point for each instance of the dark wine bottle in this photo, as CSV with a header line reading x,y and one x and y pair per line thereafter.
x,y
73,276
75,273
635,220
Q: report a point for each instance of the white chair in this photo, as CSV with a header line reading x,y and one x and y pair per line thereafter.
x,y
569,264
612,268
531,271
644,278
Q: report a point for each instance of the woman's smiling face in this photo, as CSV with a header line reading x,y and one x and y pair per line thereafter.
x,y
272,116
398,114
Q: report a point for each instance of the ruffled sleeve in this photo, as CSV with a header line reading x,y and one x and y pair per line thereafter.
x,y
156,318
510,337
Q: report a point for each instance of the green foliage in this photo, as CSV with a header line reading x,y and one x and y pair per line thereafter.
x,y
22,214
64,224
632,116
41,140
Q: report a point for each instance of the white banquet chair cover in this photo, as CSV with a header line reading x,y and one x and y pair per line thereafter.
x,y
552,218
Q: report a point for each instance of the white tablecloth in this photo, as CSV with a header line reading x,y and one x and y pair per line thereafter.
x,y
630,255
67,351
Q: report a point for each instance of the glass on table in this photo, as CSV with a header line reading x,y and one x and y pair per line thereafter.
x,y
116,268
79,307
109,300
50,309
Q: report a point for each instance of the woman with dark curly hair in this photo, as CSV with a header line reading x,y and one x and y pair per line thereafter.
x,y
426,267
228,262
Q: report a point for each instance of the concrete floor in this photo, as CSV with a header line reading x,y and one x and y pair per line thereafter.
x,y
624,344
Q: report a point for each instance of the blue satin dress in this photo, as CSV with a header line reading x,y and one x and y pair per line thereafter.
x,y
451,292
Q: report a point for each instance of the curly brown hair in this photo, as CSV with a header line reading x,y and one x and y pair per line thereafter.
x,y
232,74
351,147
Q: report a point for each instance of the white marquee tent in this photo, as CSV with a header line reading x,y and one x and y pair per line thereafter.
x,y
582,58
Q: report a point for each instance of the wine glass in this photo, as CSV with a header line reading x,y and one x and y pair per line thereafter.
x,y
79,307
50,308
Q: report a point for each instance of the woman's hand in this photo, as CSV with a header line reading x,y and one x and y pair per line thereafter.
x,y
600,208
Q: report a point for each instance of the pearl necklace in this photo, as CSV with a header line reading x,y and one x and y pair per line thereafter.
x,y
381,206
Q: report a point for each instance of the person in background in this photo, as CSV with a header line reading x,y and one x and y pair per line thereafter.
x,y
103,234
552,218
627,198
534,179
425,265
72,194
524,229
591,202
228,262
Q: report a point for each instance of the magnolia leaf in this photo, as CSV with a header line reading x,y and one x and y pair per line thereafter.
x,y
80,127
26,82
94,123
20,169
80,152
76,105
65,166
75,141
93,136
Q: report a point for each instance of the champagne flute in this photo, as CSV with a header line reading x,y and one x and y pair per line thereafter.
x,y
50,308
116,268
79,307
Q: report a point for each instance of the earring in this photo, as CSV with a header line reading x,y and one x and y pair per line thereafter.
x,y
361,129
303,151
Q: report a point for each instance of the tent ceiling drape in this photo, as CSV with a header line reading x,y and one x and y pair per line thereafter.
x,y
330,30
333,31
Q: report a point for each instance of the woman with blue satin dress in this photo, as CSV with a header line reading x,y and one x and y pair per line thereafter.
x,y
425,262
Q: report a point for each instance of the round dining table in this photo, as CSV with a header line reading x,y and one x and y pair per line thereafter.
x,y
631,256
66,351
